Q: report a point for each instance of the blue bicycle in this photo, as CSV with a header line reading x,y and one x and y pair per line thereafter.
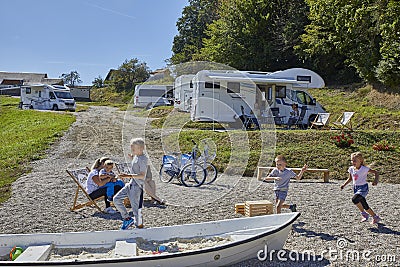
x,y
184,168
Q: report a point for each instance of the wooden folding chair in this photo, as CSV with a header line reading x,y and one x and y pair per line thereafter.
x,y
321,121
79,176
344,121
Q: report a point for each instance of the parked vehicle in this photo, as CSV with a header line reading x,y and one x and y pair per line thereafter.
x,y
46,97
147,94
219,94
183,91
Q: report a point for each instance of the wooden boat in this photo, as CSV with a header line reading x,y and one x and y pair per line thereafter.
x,y
243,239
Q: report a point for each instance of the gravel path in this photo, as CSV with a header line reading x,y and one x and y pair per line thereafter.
x,y
329,222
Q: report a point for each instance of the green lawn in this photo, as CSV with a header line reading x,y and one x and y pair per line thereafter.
x,y
313,147
25,135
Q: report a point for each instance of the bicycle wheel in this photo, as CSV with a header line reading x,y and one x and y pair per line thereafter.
x,y
211,173
193,178
166,174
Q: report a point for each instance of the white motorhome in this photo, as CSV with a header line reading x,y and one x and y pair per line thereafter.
x,y
46,97
218,95
146,95
183,91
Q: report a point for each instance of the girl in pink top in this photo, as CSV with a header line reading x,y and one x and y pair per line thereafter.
x,y
358,174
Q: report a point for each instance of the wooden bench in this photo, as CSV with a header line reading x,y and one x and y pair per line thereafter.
x,y
260,172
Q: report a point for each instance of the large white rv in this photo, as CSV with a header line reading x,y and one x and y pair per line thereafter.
x,y
146,95
219,95
183,91
47,97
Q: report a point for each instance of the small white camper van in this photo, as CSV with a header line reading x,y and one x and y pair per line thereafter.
x,y
183,91
146,95
47,97
219,95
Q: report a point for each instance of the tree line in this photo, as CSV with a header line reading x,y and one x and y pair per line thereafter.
x,y
344,41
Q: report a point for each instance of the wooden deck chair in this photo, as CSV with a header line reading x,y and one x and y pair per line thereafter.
x,y
344,121
321,121
79,176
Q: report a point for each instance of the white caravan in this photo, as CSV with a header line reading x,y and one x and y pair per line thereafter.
x,y
146,95
183,91
45,96
219,95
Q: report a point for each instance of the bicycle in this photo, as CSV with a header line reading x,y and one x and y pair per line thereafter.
x,y
205,160
184,168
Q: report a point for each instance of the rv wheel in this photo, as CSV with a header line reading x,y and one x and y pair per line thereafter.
x,y
30,107
149,106
55,107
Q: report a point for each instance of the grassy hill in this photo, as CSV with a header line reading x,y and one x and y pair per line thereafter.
x,y
25,135
376,119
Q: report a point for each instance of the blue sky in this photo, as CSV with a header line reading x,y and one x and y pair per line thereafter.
x,y
89,36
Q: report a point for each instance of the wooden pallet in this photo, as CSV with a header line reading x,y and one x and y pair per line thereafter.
x,y
239,208
259,207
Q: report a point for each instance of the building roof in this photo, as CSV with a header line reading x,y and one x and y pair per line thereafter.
x,y
27,78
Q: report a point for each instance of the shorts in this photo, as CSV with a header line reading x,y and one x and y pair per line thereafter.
x,y
361,190
281,194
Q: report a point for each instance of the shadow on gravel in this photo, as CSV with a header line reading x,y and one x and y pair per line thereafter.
x,y
382,229
297,227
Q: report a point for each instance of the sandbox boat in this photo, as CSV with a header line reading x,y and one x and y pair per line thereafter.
x,y
221,243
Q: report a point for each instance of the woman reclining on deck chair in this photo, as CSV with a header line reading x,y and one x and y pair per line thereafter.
x,y
95,184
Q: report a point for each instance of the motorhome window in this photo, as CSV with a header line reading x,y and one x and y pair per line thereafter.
x,y
52,96
28,90
212,85
151,92
304,78
233,88
308,98
40,93
64,95
280,91
208,85
191,84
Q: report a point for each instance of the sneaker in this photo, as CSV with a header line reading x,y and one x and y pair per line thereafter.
x,y
140,226
127,223
110,210
365,216
375,219
293,207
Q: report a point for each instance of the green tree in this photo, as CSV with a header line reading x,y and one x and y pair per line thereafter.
x,y
362,32
71,78
255,34
191,27
388,70
130,73
98,82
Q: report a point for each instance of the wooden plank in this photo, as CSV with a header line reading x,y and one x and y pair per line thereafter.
x,y
125,249
35,253
260,171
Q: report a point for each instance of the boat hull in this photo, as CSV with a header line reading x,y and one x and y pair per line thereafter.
x,y
248,235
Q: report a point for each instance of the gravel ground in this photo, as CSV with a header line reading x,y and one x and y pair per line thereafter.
x,y
328,226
